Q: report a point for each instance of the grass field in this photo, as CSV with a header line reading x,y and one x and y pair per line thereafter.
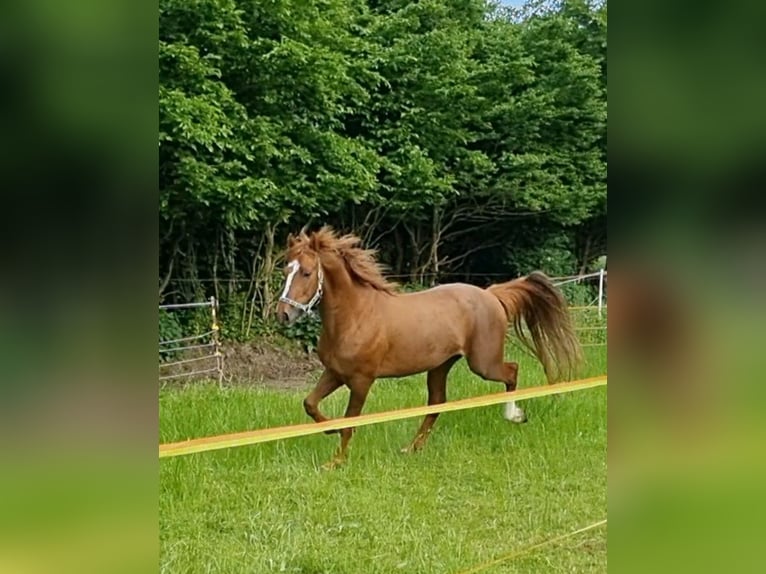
x,y
482,487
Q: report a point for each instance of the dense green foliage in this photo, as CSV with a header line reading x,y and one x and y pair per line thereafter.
x,y
462,140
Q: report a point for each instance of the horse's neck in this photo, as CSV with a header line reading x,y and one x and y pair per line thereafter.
x,y
342,300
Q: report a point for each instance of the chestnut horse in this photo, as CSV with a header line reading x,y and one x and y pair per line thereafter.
x,y
370,330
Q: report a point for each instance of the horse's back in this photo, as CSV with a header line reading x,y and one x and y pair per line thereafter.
x,y
468,298
425,328
469,311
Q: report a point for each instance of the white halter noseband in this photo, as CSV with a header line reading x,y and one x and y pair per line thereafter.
x,y
305,307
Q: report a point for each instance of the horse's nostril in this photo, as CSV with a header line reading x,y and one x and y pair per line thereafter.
x,y
283,317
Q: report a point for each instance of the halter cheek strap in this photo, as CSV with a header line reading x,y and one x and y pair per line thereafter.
x,y
305,307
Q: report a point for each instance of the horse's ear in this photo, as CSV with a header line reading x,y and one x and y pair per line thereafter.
x,y
303,234
291,240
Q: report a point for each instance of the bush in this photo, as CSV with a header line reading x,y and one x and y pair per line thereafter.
x,y
234,315
579,294
170,328
305,331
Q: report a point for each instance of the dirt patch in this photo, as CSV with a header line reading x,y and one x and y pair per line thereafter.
x,y
266,364
257,363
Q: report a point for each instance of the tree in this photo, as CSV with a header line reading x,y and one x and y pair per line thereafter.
x,y
458,138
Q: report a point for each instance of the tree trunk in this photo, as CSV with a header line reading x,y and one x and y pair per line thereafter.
x,y
433,259
585,255
269,261
252,295
414,268
219,245
399,265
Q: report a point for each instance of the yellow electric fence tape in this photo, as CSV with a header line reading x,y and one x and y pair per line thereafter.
x,y
516,553
279,433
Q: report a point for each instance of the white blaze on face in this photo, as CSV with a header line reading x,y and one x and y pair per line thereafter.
x,y
294,268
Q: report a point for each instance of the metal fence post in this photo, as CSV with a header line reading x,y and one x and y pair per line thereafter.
x,y
600,291
216,340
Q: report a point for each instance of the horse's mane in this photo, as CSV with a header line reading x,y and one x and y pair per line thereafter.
x,y
361,264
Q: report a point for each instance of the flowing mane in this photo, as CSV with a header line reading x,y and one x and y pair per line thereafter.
x,y
361,264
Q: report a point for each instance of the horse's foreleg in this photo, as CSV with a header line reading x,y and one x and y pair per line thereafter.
x,y
359,389
437,394
327,384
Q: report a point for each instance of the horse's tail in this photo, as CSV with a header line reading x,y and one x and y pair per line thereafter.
x,y
551,336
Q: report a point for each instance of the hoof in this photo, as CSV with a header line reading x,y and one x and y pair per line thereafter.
x,y
514,414
412,448
333,464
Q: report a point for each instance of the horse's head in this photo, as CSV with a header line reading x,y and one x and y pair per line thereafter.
x,y
324,253
304,280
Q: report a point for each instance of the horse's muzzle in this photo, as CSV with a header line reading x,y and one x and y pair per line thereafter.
x,y
287,314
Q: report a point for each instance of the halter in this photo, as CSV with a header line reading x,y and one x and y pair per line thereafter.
x,y
305,307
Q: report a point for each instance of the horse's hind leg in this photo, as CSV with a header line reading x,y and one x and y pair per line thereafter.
x,y
437,394
512,412
490,366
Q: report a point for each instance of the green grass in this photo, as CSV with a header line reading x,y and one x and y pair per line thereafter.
x,y
482,487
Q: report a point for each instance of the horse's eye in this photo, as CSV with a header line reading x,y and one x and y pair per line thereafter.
x,y
307,273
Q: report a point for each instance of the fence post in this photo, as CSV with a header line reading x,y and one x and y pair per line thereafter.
x,y
600,291
216,340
